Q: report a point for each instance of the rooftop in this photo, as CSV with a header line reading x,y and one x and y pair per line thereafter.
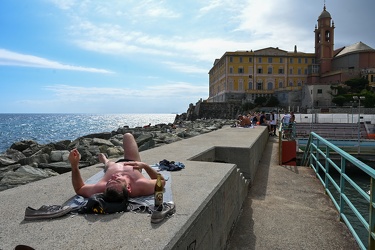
x,y
357,47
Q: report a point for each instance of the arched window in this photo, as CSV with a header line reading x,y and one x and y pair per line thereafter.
x,y
269,85
328,35
250,85
318,38
230,84
240,85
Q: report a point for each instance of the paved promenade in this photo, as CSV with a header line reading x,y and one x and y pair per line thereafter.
x,y
287,208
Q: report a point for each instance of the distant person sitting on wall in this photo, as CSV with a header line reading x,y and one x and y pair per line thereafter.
x,y
255,119
243,121
263,121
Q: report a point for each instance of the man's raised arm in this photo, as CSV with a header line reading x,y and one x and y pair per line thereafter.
x,y
79,186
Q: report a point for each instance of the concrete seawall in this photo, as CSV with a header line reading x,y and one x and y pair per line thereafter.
x,y
208,194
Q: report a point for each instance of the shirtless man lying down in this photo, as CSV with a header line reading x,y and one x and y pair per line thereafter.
x,y
122,179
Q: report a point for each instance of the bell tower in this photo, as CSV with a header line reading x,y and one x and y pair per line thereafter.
x,y
324,40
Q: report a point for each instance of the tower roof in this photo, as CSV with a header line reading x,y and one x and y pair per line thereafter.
x,y
324,13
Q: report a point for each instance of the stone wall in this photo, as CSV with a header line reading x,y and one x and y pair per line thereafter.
x,y
212,110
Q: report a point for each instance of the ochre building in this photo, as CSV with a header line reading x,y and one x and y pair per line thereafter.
x,y
296,78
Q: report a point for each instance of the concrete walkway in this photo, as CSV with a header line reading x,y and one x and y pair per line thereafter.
x,y
287,208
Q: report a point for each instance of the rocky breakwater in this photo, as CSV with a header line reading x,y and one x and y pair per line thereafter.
x,y
28,161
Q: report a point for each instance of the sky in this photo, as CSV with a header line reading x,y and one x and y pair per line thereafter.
x,y
147,56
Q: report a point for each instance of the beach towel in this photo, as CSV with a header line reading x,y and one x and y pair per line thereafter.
x,y
96,203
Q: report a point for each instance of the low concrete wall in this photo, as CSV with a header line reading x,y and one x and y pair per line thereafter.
x,y
208,196
245,158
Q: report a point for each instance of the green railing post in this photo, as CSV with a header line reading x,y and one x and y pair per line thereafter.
x,y
317,158
326,167
342,186
371,230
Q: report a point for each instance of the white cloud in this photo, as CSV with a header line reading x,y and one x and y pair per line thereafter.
x,y
154,9
268,25
10,58
177,89
64,4
168,90
186,68
210,6
168,97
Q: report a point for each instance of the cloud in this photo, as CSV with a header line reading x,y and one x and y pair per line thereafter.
x,y
268,26
177,90
64,4
169,97
162,91
9,58
112,39
210,6
186,68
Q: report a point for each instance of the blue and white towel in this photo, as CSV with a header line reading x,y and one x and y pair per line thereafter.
x,y
143,203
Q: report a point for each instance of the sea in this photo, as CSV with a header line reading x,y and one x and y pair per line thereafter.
x,y
47,128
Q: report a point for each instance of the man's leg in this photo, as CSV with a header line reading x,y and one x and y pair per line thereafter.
x,y
130,148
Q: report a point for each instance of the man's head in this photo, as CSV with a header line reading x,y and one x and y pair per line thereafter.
x,y
117,188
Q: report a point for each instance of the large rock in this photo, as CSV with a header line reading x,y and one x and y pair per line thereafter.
x,y
24,175
14,154
5,161
22,145
105,135
142,139
59,155
98,141
115,151
58,167
35,159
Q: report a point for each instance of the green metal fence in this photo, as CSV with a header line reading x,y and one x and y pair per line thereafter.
x,y
338,171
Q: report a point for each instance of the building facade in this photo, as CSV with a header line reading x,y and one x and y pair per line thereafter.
x,y
297,79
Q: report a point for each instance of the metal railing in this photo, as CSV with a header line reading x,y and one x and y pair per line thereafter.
x,y
338,172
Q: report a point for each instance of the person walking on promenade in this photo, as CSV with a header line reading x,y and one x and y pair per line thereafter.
x,y
273,123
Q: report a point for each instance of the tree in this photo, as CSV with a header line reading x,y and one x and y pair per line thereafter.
x,y
369,101
272,102
357,84
248,106
339,100
260,101
354,87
